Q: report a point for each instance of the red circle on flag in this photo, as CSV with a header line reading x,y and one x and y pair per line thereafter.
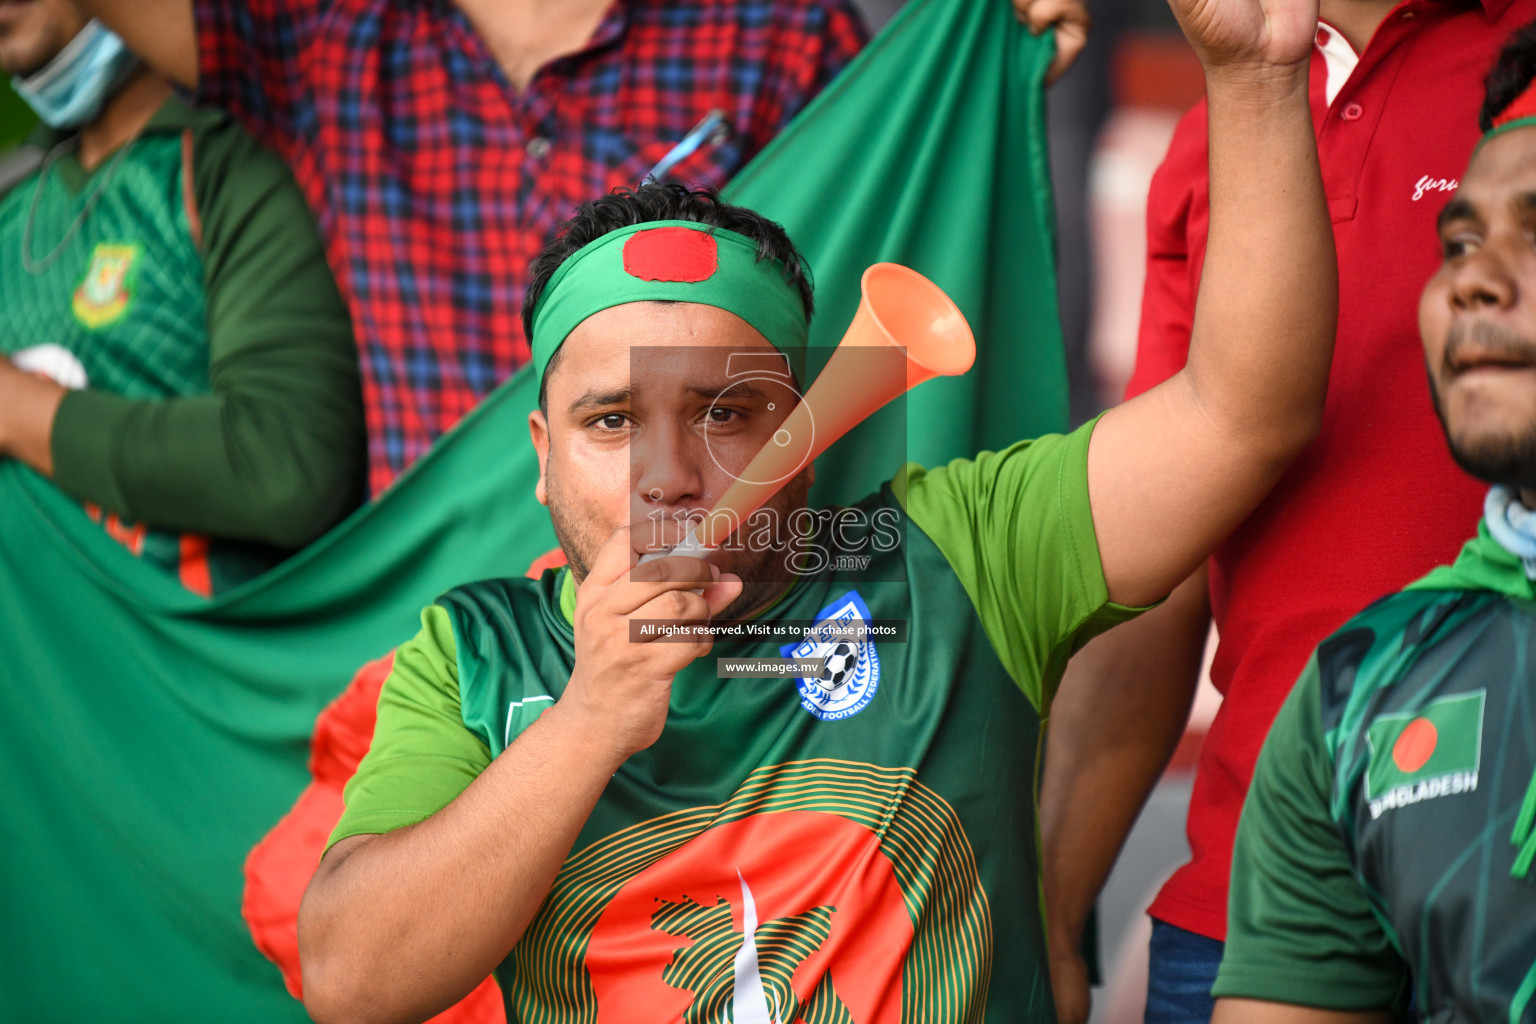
x,y
1415,745
671,254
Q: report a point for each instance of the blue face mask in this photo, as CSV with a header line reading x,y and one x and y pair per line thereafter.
x,y
71,89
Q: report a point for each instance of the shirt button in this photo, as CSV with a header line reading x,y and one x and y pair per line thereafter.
x,y
1323,37
538,147
1352,112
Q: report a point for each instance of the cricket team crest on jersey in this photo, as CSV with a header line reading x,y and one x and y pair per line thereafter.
x,y
107,290
852,675
821,892
1422,755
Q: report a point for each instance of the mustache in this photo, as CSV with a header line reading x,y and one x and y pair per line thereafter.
x,y
1489,341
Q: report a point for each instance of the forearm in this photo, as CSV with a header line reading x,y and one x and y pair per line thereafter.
x,y
1121,711
28,406
400,926
275,455
1258,361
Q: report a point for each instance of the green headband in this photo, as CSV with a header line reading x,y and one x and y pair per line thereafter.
x,y
1506,126
670,261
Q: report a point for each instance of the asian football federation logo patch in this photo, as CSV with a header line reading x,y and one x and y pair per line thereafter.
x,y
852,674
105,294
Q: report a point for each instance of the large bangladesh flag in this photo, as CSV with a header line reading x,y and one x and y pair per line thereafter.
x,y
16,119
150,737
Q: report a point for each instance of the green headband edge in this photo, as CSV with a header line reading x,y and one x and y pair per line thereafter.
x,y
1508,126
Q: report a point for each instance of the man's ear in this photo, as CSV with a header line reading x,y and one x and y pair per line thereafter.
x,y
538,430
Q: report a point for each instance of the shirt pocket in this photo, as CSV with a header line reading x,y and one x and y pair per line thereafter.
x,y
713,162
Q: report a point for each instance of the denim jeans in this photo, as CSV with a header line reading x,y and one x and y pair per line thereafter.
x,y
1180,973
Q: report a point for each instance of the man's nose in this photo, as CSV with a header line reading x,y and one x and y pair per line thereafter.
x,y
1484,280
665,466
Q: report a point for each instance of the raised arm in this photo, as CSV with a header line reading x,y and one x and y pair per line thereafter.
x,y
1171,472
160,31
1116,721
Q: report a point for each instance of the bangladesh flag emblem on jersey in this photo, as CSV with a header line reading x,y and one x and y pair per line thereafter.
x,y
820,892
1433,752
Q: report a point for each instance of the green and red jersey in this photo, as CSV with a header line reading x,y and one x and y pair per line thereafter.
x,y
782,853
1374,858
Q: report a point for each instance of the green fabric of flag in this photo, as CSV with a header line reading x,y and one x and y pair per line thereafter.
x,y
16,118
150,737
929,150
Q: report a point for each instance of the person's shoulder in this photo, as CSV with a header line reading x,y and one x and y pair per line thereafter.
x,y
235,178
913,478
1373,648
1411,617
514,609
495,597
228,163
218,137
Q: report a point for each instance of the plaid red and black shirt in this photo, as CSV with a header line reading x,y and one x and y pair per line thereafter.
x,y
435,182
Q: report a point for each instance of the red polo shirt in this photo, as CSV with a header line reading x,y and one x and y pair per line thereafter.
x,y
1376,501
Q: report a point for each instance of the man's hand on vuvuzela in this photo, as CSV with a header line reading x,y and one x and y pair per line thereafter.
x,y
622,686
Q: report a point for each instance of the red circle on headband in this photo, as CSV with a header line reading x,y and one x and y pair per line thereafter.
x,y
671,254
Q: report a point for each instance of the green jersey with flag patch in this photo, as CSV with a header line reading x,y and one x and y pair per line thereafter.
x,y
855,848
1374,858
109,286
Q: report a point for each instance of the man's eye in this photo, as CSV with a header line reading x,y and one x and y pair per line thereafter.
x,y
1457,246
719,416
613,421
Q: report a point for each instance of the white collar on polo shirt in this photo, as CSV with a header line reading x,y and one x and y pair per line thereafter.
x,y
1338,57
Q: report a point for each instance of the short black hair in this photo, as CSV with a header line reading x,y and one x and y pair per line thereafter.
x,y
661,201
1511,75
